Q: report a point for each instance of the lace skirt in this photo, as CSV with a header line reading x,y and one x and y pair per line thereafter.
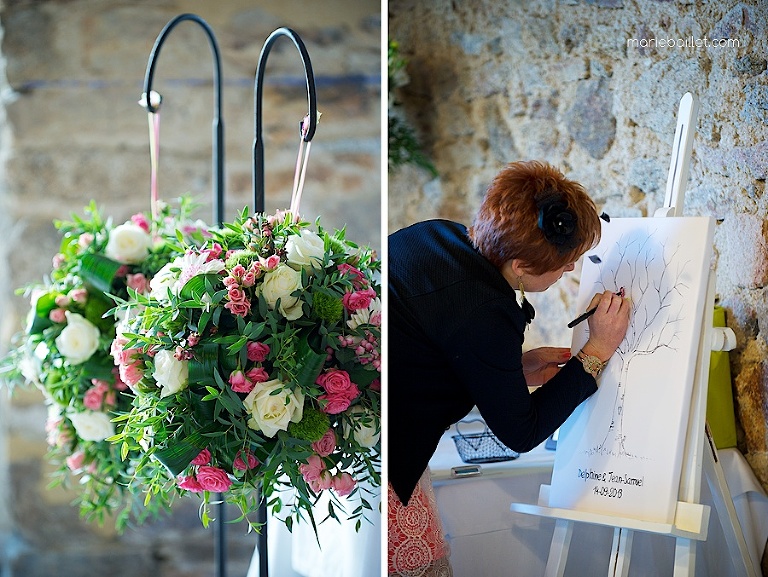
x,y
416,543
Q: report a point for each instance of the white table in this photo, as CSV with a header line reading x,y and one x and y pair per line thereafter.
x,y
342,552
487,539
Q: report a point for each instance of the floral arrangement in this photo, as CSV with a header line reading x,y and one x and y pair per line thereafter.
x,y
255,362
65,347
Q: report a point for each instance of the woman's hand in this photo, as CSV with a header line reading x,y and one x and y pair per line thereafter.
x,y
608,326
540,365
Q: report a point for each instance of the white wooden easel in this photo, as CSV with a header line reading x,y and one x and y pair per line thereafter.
x,y
691,521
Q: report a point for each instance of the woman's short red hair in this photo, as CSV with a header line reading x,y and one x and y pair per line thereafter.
x,y
508,224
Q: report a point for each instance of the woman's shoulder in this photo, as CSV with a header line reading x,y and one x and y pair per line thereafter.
x,y
430,230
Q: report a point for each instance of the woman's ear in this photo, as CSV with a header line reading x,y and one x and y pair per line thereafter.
x,y
512,270
517,267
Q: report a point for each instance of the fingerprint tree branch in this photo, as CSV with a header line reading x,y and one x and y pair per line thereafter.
x,y
653,277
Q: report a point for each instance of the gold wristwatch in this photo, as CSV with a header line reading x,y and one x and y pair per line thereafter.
x,y
592,365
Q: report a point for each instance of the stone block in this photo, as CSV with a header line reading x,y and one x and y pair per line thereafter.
x,y
743,250
751,386
590,120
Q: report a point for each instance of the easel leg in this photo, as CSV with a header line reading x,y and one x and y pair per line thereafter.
x,y
558,549
620,552
726,512
685,557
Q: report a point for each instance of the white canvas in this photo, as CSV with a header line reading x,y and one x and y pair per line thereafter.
x,y
621,451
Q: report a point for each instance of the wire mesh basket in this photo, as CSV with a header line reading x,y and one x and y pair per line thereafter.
x,y
482,447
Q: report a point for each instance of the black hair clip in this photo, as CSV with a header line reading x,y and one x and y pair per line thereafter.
x,y
558,223
605,217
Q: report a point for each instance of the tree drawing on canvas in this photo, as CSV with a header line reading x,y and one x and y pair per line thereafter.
x,y
621,450
652,275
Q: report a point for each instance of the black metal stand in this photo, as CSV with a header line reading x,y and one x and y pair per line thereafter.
x,y
258,194
218,123
258,148
219,533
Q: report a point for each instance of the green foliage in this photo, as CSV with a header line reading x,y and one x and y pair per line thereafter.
x,y
403,146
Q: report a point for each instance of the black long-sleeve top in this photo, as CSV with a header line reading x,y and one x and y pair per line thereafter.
x,y
455,341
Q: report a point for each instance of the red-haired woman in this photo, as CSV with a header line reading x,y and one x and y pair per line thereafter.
x,y
457,316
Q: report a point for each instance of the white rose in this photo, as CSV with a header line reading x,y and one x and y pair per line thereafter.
x,y
92,425
278,285
366,434
170,373
305,250
272,413
162,281
128,244
78,340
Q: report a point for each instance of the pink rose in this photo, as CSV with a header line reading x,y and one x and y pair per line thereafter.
x,y
75,461
359,299
122,271
257,352
62,301
110,399
239,309
249,278
343,484
271,262
334,404
257,375
141,221
131,373
240,382
357,276
376,385
236,294
119,384
58,260
85,240
93,398
323,481
58,316
238,272
189,484
138,282
334,381
213,479
203,458
79,295
326,444
312,469
251,462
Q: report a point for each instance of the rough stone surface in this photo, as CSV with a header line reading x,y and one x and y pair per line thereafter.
x,y
588,87
71,130
590,122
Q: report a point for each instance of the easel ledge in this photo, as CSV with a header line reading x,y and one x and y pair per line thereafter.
x,y
691,519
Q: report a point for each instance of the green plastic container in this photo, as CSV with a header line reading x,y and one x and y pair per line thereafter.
x,y
720,414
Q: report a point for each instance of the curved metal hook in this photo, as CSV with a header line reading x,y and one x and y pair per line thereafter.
x,y
258,149
218,123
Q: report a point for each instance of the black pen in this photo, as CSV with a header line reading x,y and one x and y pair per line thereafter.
x,y
590,312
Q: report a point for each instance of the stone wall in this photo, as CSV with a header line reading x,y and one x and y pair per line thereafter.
x,y
564,81
71,131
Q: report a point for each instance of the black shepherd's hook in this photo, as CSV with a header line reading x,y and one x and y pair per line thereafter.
x,y
258,147
217,191
218,123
